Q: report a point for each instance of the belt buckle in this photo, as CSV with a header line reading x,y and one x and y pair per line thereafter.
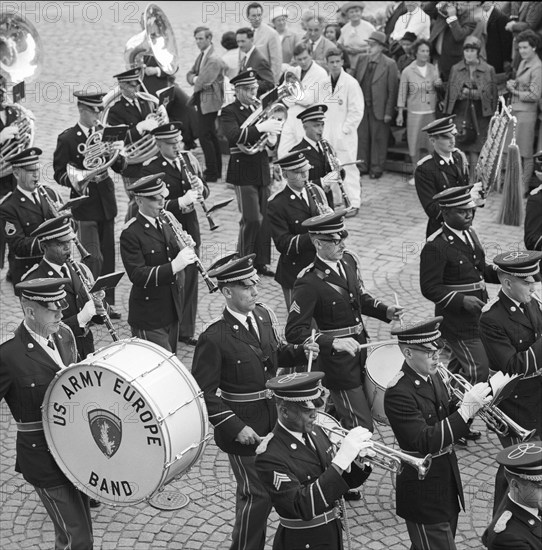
x,y
482,285
358,329
268,394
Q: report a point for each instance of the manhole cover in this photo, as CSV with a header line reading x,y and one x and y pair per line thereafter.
x,y
169,500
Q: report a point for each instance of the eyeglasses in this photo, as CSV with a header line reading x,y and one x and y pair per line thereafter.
x,y
431,354
336,242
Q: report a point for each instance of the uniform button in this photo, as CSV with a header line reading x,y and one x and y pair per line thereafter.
x,y
238,361
27,223
429,416
521,341
146,297
152,251
307,545
460,261
296,221
293,263
334,303
33,444
32,385
357,319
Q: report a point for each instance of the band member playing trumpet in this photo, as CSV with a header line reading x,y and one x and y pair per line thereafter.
x,y
239,352
41,346
24,210
154,264
296,466
182,177
287,210
330,291
424,421
511,331
96,214
249,173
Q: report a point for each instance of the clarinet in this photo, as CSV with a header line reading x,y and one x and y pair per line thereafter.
x,y
320,206
184,239
87,286
335,167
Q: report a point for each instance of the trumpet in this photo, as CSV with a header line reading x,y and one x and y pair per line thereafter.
x,y
87,286
84,253
24,138
184,239
494,418
335,167
321,205
386,457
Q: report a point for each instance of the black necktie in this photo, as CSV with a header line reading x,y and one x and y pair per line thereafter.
x,y
525,307
340,269
468,239
158,225
64,272
251,328
198,63
51,344
308,441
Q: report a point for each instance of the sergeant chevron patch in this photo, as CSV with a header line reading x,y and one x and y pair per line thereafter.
x,y
278,479
295,307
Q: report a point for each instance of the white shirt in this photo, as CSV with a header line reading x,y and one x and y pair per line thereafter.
x,y
29,195
332,265
297,435
459,234
242,318
244,56
151,220
533,511
53,353
416,21
56,267
86,130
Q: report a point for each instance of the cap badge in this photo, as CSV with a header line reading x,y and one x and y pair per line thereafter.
x,y
515,256
293,376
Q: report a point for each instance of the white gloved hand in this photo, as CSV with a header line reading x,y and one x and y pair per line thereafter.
x,y
270,125
188,199
351,447
185,257
330,179
86,314
474,399
146,125
152,71
198,186
272,140
477,193
8,133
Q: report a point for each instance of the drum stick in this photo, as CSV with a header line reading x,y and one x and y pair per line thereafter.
x,y
309,364
381,343
397,304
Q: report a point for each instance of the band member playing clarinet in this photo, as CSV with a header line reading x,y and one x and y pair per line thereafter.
x,y
151,257
238,353
297,467
424,421
182,177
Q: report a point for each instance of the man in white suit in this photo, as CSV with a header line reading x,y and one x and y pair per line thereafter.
x,y
346,105
313,79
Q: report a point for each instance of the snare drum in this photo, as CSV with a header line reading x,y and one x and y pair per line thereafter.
x,y
125,421
383,364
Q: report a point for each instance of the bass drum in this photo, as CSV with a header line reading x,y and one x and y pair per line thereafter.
x,y
383,364
126,421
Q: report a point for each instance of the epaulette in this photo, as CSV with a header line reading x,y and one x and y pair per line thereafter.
x,y
271,197
463,156
33,268
536,190
424,159
500,524
305,270
128,223
274,320
212,322
490,304
147,162
396,379
262,447
5,198
63,132
434,235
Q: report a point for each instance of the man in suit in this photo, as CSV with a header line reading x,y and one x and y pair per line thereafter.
x,y
287,210
23,210
150,254
207,77
182,177
511,331
518,522
266,39
251,58
318,44
41,346
446,167
498,41
299,469
239,352
379,80
249,173
425,421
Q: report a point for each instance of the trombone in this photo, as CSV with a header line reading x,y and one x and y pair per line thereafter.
x,y
494,418
386,457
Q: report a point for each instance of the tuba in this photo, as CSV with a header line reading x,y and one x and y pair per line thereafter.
x,y
21,59
290,88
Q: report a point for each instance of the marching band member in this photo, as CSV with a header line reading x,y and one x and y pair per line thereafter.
x,y
518,522
239,352
41,346
331,292
511,331
151,257
249,173
96,214
287,210
320,173
8,131
424,421
23,210
296,466
185,188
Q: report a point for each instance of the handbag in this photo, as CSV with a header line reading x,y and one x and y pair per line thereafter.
x,y
468,131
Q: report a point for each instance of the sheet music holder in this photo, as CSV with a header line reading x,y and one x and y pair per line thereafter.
x,y
105,282
19,92
165,95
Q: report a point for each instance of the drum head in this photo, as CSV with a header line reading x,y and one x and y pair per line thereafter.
x,y
383,363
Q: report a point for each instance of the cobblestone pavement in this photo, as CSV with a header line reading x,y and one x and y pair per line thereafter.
x,y
388,234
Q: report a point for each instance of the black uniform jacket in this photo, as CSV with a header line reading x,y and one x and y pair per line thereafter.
x,y
123,112
19,217
513,528
333,302
26,371
7,180
447,260
286,212
533,221
303,484
433,175
76,298
513,344
243,169
101,203
178,184
228,357
146,253
424,421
